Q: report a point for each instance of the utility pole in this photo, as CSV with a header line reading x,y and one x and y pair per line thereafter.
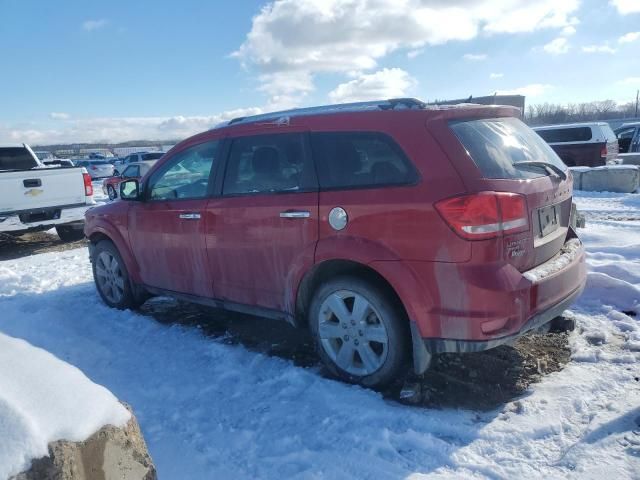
x,y
637,97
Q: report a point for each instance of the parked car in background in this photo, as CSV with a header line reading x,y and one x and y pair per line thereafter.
x,y
33,197
628,135
97,168
133,170
137,157
581,144
391,229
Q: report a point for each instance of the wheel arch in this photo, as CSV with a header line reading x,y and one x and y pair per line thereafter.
x,y
105,232
332,268
375,273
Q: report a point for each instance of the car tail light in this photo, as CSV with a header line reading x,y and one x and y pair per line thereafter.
x,y
485,215
88,186
603,151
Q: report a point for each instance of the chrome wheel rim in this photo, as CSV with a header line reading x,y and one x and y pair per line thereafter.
x,y
352,333
112,192
109,277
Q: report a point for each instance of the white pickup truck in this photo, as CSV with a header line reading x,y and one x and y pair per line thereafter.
x,y
35,197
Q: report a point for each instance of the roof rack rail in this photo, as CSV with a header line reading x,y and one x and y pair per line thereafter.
x,y
391,104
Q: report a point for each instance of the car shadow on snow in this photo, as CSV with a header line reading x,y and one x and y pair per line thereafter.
x,y
478,381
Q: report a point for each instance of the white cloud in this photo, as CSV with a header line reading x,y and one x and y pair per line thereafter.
x,y
598,49
630,81
340,36
59,116
91,25
386,83
475,57
629,37
414,53
114,129
531,90
626,6
557,46
496,75
568,30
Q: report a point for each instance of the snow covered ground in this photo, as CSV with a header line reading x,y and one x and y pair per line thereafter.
x,y
212,410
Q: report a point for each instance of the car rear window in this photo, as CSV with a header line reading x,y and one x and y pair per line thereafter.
x,y
100,163
16,158
608,133
152,156
497,145
360,160
566,135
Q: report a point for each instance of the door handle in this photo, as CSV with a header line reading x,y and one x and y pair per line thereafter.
x,y
295,214
190,216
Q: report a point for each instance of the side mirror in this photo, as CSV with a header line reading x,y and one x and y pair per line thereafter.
x,y
130,190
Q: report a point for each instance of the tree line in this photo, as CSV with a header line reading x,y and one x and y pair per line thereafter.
x,y
551,113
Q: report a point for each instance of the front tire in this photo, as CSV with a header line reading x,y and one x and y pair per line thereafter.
x,y
112,278
69,233
111,191
361,334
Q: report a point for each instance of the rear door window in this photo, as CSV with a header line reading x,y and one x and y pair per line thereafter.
x,y
268,164
152,156
16,158
566,135
497,145
360,160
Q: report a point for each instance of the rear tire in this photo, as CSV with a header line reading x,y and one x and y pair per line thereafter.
x,y
69,233
361,335
112,278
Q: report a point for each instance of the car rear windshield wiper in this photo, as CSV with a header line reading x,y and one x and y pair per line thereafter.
x,y
549,167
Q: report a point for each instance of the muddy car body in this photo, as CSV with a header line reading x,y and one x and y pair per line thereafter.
x,y
391,229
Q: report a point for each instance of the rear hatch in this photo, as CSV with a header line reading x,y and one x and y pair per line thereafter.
x,y
532,187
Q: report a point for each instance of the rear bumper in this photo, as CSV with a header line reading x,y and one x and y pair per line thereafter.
x,y
477,307
42,218
444,345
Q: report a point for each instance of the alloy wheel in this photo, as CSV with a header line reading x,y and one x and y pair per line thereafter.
x,y
109,277
352,333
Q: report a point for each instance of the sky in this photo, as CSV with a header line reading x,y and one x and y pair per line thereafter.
x,y
117,70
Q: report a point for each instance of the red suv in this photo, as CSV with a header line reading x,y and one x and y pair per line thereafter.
x,y
393,230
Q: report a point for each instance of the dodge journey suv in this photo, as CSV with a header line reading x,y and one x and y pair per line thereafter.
x,y
392,230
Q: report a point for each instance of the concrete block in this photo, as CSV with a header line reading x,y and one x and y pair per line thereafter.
x,y
630,158
577,176
611,178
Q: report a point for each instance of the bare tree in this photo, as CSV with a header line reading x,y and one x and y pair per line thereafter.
x,y
551,113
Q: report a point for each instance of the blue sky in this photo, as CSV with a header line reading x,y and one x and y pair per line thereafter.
x,y
86,71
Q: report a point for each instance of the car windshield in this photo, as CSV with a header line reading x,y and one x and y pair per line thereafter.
x,y
497,145
100,163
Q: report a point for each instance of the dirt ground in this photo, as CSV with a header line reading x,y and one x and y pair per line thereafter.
x,y
33,243
479,381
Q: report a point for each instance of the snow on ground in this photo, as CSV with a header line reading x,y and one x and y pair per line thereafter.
x,y
211,410
43,399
